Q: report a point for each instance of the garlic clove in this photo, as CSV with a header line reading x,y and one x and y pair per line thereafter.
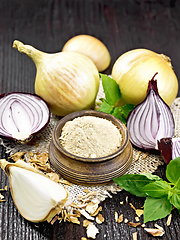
x,y
36,197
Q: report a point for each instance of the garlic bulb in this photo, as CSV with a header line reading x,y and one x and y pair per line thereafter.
x,y
36,197
91,47
133,70
67,81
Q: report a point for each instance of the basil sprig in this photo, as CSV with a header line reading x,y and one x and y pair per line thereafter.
x,y
160,195
113,95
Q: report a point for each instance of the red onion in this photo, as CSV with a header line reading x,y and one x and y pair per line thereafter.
x,y
22,115
169,148
151,120
165,147
175,148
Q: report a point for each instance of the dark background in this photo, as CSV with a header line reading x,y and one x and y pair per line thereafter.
x,y
47,24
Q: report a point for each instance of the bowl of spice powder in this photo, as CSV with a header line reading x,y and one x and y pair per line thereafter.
x,y
90,147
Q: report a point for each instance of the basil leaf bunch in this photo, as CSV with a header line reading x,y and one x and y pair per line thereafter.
x,y
160,195
113,95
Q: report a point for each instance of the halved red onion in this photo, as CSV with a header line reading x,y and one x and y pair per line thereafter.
x,y
22,115
169,148
151,120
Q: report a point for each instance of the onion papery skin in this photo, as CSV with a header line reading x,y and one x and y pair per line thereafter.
x,y
150,120
133,70
67,81
92,48
22,115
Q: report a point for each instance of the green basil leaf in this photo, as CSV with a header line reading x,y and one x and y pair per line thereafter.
x,y
174,197
106,107
122,112
117,113
156,208
173,171
133,183
126,109
157,189
103,100
111,89
151,176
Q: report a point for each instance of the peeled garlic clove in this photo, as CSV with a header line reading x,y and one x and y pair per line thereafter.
x,y
67,81
91,47
36,197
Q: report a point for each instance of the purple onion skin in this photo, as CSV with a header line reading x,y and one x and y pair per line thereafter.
x,y
152,86
32,135
2,95
165,148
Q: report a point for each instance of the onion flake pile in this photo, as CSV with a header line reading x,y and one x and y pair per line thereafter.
x,y
151,120
22,115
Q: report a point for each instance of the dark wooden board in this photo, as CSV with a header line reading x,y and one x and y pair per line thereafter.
x,y
47,25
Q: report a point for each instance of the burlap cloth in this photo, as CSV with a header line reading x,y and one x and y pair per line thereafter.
x,y
142,162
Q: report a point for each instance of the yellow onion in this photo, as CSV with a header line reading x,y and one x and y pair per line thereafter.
x,y
133,70
36,196
67,81
91,47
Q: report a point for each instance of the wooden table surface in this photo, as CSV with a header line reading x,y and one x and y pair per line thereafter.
x,y
47,25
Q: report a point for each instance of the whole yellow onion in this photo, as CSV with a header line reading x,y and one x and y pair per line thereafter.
x,y
91,47
67,81
133,70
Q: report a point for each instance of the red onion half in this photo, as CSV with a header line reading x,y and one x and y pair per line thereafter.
x,y
169,148
22,115
151,120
